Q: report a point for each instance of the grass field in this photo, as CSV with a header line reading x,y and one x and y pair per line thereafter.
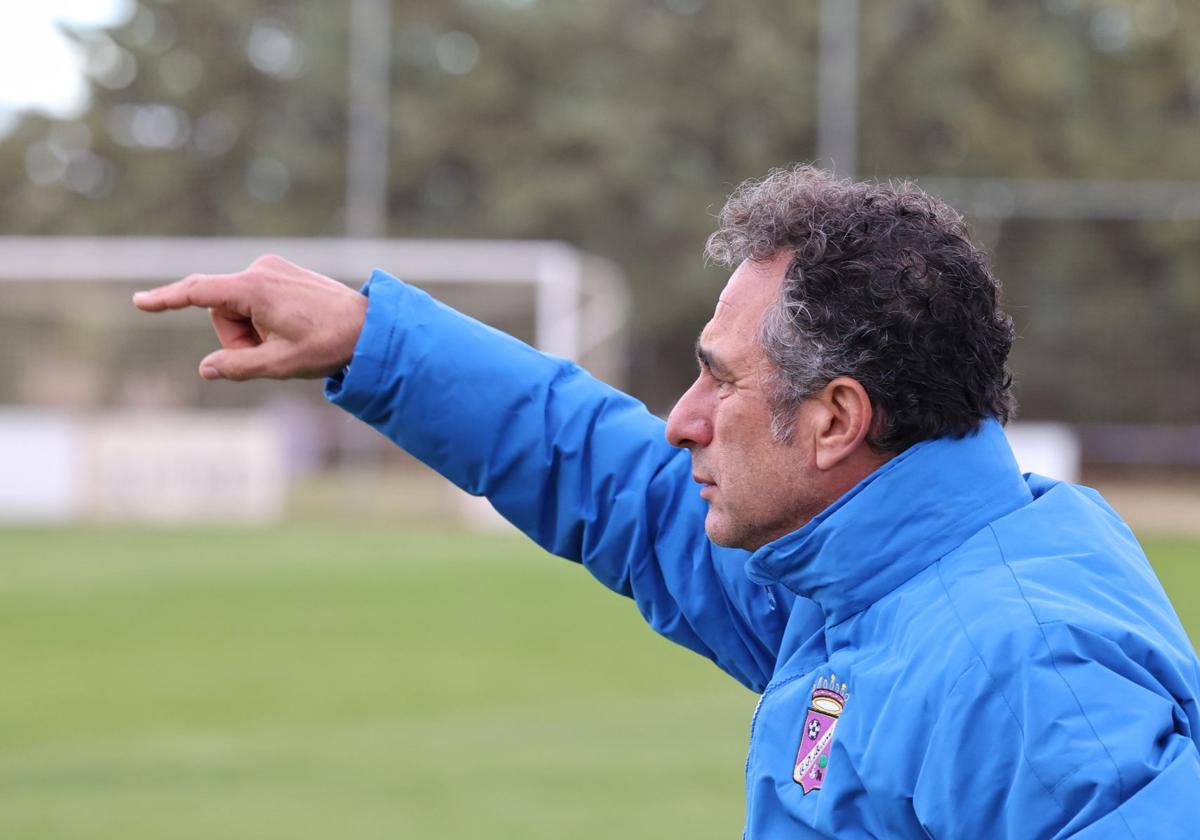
x,y
358,683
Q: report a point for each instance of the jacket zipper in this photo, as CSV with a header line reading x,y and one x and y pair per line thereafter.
x,y
749,753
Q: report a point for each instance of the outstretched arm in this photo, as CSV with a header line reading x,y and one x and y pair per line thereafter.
x,y
580,467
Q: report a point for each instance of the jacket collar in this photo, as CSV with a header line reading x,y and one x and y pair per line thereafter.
x,y
894,523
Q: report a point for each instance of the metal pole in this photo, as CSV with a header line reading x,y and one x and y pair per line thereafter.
x,y
837,86
560,282
369,122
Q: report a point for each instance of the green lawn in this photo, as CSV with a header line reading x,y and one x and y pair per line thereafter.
x,y
357,683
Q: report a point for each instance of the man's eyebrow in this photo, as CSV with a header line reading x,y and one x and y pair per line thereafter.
x,y
705,357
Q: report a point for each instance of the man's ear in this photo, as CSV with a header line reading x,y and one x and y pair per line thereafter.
x,y
844,418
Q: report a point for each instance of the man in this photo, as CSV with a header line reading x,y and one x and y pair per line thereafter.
x,y
944,647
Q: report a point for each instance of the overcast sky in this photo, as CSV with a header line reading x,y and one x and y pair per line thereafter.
x,y
39,68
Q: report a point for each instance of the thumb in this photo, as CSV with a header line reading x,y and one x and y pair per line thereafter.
x,y
240,364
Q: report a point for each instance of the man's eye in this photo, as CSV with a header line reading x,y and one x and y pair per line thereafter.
x,y
721,384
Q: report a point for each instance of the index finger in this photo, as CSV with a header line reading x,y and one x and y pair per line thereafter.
x,y
204,290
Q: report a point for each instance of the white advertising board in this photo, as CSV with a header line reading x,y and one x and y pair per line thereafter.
x,y
182,467
1049,449
171,467
39,458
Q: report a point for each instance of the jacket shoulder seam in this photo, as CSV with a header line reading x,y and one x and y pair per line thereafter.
x,y
994,685
1054,664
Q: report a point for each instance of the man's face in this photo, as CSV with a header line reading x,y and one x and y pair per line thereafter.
x,y
757,488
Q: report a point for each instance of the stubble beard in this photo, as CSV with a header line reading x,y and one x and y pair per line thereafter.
x,y
732,534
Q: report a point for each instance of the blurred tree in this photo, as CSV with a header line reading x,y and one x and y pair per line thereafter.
x,y
217,118
1105,89
621,126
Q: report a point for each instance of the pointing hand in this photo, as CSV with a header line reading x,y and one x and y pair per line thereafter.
x,y
274,320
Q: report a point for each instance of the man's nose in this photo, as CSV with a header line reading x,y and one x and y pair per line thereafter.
x,y
690,421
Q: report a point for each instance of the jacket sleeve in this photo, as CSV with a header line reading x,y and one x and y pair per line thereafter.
x,y
581,468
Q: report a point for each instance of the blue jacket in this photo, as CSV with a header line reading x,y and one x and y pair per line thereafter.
x,y
951,649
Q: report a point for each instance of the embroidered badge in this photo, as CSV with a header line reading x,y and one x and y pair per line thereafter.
x,y
816,739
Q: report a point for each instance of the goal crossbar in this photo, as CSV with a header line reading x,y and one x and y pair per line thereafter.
x,y
553,269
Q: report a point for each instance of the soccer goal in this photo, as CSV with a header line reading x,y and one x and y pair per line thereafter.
x,y
102,417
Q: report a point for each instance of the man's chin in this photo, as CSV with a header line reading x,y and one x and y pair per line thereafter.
x,y
723,533
727,534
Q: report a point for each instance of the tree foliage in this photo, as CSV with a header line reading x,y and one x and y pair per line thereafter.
x,y
620,127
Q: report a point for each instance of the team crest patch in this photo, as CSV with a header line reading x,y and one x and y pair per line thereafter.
x,y
812,760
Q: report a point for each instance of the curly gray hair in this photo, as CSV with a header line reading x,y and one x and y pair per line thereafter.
x,y
885,287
